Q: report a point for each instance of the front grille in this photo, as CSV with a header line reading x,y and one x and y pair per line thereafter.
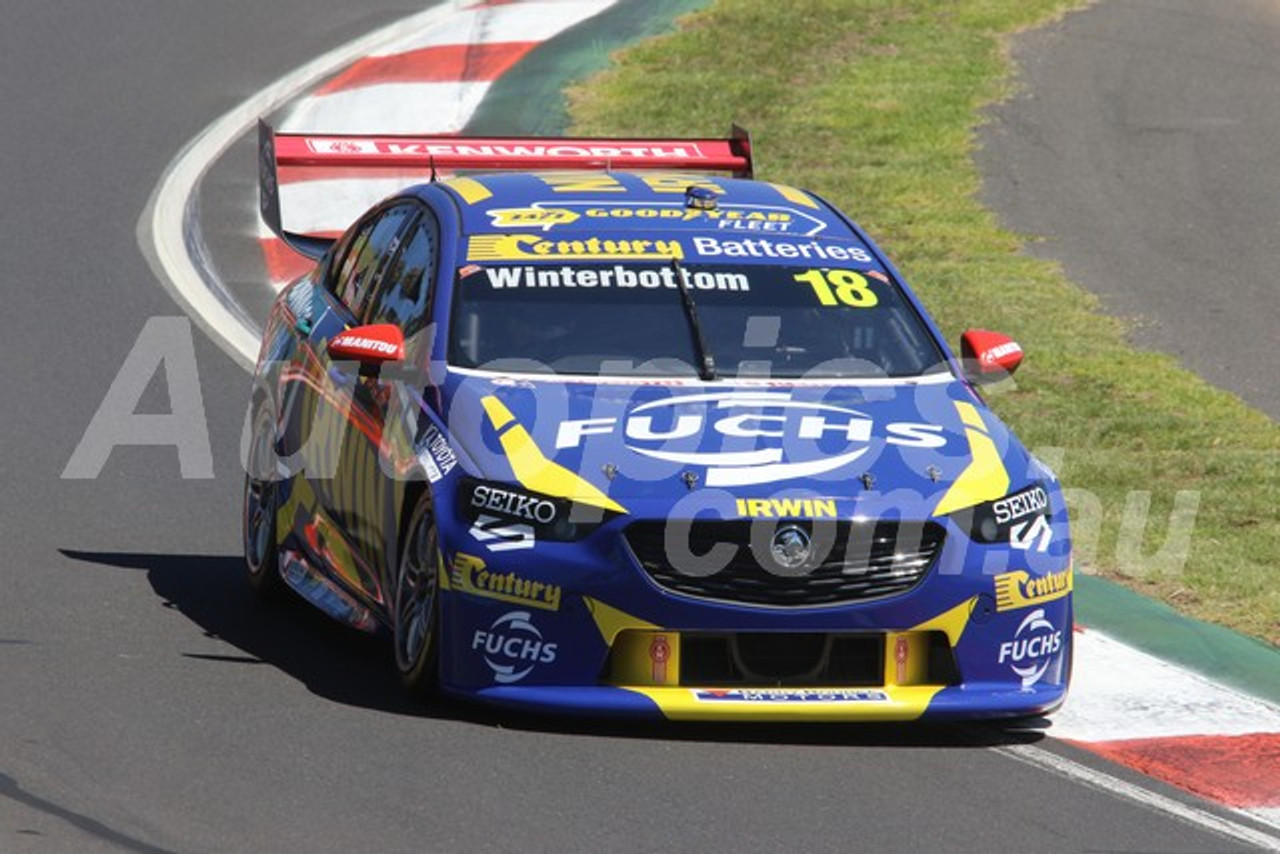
x,y
853,561
774,659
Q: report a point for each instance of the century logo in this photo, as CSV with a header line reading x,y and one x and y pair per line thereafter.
x,y
784,433
469,574
1032,649
532,247
513,647
1018,589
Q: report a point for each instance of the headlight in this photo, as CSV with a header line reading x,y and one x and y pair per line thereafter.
x,y
991,522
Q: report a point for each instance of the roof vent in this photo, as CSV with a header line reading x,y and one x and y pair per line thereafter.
x,y
700,198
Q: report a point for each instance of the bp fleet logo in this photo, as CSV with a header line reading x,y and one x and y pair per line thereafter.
x,y
762,437
513,647
1033,648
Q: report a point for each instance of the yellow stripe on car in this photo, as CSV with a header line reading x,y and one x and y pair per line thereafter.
x,y
533,470
797,197
610,621
645,659
985,478
471,190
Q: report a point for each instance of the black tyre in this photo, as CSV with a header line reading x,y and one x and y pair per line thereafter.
x,y
417,586
261,498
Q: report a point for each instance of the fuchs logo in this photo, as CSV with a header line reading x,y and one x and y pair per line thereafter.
x,y
1032,649
790,431
512,647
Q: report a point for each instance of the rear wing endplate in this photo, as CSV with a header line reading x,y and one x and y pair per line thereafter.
x,y
269,199
432,154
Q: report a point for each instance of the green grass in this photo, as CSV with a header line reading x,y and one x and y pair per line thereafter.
x,y
874,104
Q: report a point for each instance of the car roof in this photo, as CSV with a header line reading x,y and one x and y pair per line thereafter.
x,y
617,203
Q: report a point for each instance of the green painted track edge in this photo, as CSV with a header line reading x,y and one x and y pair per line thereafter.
x,y
1218,653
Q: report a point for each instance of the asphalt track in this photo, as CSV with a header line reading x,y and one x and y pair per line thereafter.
x,y
147,705
1152,125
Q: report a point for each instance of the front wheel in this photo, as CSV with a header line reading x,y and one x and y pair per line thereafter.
x,y
416,609
261,494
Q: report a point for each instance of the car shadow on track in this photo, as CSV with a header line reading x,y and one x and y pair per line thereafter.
x,y
353,668
332,661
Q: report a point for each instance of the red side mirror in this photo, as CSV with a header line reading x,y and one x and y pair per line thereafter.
x,y
989,356
369,345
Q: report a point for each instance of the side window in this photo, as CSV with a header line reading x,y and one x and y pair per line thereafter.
x,y
370,246
341,267
404,294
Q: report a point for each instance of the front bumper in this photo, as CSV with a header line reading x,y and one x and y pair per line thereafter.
x,y
834,705
513,640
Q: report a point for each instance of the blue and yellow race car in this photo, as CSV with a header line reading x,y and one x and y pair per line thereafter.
x,y
606,426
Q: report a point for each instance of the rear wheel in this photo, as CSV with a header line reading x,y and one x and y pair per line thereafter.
x,y
261,500
415,621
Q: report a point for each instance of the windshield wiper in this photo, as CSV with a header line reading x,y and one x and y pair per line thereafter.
x,y
707,362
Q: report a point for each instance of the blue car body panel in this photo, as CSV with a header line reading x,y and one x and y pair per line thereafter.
x,y
575,622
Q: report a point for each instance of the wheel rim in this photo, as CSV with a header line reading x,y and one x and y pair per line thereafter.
x,y
415,594
259,504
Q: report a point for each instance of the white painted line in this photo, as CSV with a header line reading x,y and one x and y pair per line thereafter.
x,y
1118,692
163,228
1103,782
1266,815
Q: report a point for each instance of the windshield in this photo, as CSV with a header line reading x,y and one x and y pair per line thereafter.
x,y
629,319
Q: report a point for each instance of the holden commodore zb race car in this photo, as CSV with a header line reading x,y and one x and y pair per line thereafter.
x,y
606,426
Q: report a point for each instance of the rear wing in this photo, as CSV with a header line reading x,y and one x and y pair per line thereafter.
x,y
430,155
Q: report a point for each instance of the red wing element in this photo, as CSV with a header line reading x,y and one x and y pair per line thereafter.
x,y
427,156
375,344
990,352
448,153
